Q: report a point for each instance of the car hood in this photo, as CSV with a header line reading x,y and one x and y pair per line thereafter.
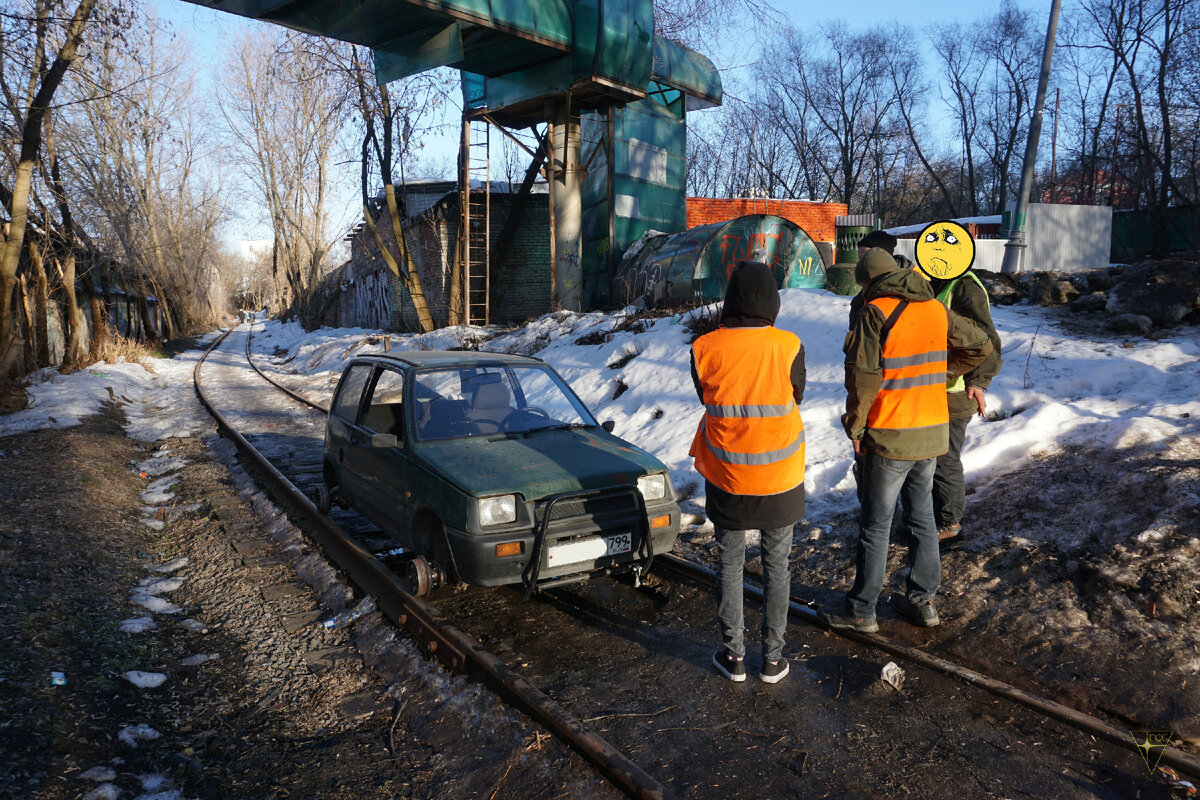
x,y
539,463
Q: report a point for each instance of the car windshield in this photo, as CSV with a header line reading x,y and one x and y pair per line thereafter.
x,y
486,400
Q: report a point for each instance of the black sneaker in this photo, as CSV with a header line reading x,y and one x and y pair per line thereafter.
x,y
842,621
730,667
923,615
773,671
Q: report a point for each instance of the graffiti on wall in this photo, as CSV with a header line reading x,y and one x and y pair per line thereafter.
x,y
695,264
373,299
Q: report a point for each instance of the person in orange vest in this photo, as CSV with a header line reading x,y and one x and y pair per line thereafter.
x,y
750,449
901,348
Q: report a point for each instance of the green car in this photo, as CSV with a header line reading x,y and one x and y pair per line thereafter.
x,y
488,469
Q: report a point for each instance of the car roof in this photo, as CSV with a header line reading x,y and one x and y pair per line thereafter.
x,y
450,358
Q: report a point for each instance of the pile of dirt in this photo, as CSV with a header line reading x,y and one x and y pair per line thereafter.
x,y
1145,299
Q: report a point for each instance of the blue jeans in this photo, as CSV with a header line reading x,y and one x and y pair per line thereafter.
x,y
777,585
883,480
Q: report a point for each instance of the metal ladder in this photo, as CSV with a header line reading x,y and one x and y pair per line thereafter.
x,y
476,221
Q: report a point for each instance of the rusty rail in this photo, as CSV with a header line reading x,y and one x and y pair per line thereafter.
x,y
452,647
1078,719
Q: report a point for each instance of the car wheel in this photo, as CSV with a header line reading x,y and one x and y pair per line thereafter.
x,y
418,577
324,501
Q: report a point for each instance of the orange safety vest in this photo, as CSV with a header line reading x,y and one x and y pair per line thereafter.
x,y
912,393
751,438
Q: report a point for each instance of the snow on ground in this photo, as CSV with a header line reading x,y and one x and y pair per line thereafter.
x,y
1056,391
1084,481
145,391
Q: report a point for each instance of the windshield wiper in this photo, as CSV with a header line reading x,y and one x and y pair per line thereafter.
x,y
560,427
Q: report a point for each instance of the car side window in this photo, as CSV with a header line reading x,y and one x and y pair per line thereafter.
x,y
345,405
385,412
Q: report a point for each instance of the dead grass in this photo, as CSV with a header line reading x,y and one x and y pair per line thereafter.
x,y
702,320
12,396
115,348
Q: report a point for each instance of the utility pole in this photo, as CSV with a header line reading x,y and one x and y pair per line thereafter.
x,y
1014,250
1054,150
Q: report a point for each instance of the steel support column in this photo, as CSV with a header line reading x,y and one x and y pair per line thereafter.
x,y
566,205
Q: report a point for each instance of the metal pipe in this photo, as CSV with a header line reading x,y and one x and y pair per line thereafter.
x,y
1014,250
1078,719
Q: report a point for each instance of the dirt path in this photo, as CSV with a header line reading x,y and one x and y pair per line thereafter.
x,y
268,713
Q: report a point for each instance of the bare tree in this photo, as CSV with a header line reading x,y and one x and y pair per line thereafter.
x,y
140,157
286,116
1011,45
1149,44
839,99
28,105
390,118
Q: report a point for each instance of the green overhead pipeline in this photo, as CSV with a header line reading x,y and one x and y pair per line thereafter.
x,y
408,36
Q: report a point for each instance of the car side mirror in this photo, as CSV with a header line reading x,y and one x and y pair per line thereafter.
x,y
384,440
608,425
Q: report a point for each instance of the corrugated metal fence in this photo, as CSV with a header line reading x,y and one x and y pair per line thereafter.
x,y
1060,238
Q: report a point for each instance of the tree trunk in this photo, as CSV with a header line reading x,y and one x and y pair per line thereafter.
x,y
73,321
99,326
28,351
40,332
31,140
416,289
409,277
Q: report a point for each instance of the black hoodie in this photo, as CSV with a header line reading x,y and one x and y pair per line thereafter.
x,y
752,301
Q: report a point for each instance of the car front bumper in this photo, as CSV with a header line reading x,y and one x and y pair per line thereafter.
x,y
570,549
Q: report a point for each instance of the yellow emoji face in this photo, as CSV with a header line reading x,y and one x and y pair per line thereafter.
x,y
945,250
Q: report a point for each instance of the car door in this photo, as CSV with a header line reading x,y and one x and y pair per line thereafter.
x,y
382,469
343,431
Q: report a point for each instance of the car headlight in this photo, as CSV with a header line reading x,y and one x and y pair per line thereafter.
x,y
653,487
498,510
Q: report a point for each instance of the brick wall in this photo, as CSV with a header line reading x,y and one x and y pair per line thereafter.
x,y
520,286
374,298
817,219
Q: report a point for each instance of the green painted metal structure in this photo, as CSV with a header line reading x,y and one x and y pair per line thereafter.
x,y
408,36
695,264
590,66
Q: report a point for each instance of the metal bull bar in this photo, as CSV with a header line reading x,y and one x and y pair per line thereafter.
x,y
644,550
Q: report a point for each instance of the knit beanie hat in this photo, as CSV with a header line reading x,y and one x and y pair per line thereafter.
x,y
879,239
875,263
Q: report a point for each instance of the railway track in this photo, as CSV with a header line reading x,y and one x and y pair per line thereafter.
x,y
461,651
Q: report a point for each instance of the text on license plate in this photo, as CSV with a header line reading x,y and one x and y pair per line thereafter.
x,y
589,549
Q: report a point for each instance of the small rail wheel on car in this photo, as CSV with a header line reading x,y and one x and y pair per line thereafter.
x,y
324,500
418,577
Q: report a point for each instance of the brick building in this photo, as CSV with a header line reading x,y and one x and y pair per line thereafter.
x,y
369,296
815,219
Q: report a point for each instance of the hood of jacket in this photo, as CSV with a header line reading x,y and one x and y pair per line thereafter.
x,y
752,297
907,284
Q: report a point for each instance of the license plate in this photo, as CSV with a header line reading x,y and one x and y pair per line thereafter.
x,y
589,549
621,543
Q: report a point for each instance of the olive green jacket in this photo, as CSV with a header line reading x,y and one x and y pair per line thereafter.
x,y
967,346
969,299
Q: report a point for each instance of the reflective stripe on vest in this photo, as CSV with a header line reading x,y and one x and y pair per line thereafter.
x,y
750,440
959,384
912,390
